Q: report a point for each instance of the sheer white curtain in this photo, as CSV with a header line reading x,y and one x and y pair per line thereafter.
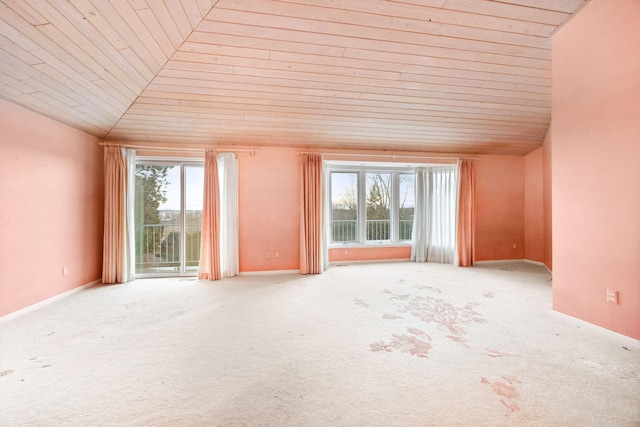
x,y
130,239
421,218
228,179
444,215
326,179
435,215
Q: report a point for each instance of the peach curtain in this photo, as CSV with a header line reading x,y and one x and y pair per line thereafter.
x,y
210,242
116,252
311,214
466,214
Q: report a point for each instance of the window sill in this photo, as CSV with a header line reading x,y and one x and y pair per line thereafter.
x,y
369,245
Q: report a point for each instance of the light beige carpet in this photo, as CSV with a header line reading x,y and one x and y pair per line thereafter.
x,y
393,344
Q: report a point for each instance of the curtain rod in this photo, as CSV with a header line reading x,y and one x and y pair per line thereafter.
x,y
393,156
248,151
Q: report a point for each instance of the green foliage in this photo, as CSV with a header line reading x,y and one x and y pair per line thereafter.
x,y
151,192
170,248
151,183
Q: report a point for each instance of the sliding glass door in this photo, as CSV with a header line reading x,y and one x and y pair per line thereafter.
x,y
168,217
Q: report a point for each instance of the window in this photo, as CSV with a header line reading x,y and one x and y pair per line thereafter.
x,y
407,202
168,217
344,207
379,193
371,205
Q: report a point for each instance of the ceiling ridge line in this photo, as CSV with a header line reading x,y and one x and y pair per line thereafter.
x,y
162,67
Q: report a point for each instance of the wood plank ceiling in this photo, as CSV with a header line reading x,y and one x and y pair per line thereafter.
x,y
458,76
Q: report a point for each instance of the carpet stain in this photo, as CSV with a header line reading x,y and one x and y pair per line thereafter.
x,y
496,353
431,288
447,318
358,301
489,294
391,316
395,296
464,341
435,310
411,344
5,373
505,388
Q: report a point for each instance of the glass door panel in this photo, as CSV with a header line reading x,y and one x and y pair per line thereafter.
x,y
193,182
344,206
168,212
378,206
407,204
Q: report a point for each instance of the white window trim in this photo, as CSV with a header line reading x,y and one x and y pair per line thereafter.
x,y
362,168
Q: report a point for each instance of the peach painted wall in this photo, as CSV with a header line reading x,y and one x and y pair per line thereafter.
x,y
595,153
376,253
499,208
534,206
268,205
51,193
546,199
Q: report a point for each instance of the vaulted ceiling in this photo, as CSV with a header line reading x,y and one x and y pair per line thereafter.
x,y
458,76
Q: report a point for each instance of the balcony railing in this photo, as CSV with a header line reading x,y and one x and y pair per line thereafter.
x,y
406,229
377,230
344,230
158,247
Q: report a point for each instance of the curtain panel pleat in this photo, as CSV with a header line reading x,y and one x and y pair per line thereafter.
x,y
228,174
119,182
421,218
444,206
466,214
210,239
311,214
435,215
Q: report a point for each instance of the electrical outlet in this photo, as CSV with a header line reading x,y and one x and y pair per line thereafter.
x,y
64,271
277,254
612,296
514,246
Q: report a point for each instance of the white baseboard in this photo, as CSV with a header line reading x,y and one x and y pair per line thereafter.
x,y
502,261
367,261
265,272
46,302
538,263
498,261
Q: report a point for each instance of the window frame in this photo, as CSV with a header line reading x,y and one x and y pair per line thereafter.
x,y
362,169
182,163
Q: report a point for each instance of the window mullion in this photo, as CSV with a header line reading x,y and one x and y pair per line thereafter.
x,y
395,203
183,220
362,206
